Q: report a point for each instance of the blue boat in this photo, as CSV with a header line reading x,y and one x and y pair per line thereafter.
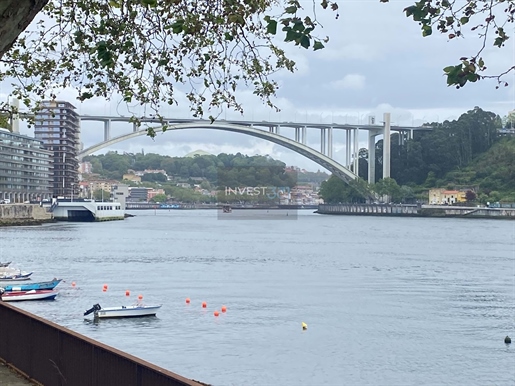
x,y
43,285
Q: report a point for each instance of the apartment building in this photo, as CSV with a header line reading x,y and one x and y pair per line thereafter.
x,y
57,125
25,168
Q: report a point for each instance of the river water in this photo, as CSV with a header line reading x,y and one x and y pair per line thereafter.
x,y
387,301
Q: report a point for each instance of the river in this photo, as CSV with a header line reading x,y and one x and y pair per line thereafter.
x,y
387,301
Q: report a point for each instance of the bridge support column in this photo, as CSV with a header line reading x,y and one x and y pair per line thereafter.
x,y
347,148
303,138
134,127
330,142
356,151
322,141
297,134
386,146
15,119
372,156
107,130
278,129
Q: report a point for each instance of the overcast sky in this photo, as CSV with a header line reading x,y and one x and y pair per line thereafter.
x,y
376,61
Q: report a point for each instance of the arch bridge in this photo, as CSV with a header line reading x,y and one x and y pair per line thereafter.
x,y
271,131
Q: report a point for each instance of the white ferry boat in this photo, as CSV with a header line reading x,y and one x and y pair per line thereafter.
x,y
86,210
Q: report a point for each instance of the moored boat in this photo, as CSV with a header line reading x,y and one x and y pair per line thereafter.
x,y
43,285
14,296
3,265
9,273
15,277
137,310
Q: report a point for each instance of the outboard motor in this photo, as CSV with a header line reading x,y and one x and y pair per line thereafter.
x,y
96,307
2,291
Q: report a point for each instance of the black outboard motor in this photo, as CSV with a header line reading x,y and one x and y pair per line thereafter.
x,y
2,291
96,307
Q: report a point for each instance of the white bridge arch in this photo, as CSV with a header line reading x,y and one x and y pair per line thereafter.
x,y
321,159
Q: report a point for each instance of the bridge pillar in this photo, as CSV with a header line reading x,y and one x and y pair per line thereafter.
x,y
330,142
386,146
322,141
303,138
278,129
107,130
372,156
297,134
134,127
347,148
356,151
15,118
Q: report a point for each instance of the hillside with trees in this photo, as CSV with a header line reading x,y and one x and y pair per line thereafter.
x,y
467,153
220,170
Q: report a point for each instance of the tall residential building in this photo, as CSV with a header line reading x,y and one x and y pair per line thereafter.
x,y
25,168
57,125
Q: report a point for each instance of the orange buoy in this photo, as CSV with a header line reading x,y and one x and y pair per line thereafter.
x,y
140,297
105,286
216,313
204,304
127,293
224,308
73,284
104,289
187,300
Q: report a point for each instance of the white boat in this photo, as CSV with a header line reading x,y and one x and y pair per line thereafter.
x,y
14,296
135,311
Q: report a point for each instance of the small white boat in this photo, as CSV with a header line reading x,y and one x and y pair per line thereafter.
x,y
14,296
135,311
10,274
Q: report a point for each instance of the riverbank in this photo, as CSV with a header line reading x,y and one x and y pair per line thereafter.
x,y
24,214
408,210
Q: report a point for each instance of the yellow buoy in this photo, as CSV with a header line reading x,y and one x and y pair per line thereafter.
x,y
304,326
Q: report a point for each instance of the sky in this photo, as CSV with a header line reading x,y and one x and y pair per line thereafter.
x,y
376,61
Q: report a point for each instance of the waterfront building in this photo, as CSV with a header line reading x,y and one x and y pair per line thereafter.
x,y
444,196
138,194
120,192
25,168
57,125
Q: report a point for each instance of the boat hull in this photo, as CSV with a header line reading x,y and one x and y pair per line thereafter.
x,y
44,285
126,312
15,296
19,277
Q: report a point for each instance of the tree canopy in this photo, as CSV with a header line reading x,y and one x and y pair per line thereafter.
x,y
148,50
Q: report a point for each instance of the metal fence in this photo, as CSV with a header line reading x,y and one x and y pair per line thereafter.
x,y
56,356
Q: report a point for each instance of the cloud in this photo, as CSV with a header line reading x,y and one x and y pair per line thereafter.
x,y
350,82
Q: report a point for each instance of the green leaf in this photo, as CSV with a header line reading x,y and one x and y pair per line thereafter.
x,y
464,20
271,28
317,46
178,26
305,42
290,9
426,30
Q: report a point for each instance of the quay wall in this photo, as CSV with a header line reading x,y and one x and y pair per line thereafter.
x,y
416,211
48,354
24,214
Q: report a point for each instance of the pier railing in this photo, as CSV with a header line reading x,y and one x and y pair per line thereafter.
x,y
53,355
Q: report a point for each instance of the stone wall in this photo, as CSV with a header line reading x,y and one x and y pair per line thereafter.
x,y
23,214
